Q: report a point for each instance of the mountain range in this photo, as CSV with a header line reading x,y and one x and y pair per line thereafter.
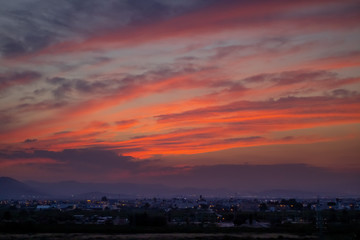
x,y
11,188
14,189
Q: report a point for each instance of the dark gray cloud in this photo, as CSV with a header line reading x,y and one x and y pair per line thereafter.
x,y
244,139
225,51
64,86
62,90
40,91
29,26
85,86
126,122
108,85
12,47
343,93
27,98
56,80
39,106
9,79
292,77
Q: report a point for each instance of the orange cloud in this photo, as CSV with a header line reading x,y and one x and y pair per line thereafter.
x,y
4,163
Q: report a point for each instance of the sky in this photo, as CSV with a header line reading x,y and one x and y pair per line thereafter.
x,y
181,92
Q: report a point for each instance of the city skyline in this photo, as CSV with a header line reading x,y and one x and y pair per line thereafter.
x,y
184,93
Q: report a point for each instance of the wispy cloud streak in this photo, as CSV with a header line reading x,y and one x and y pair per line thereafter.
x,y
161,79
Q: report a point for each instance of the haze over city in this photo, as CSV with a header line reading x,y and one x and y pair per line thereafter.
x,y
236,95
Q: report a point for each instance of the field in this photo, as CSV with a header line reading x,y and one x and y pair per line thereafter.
x,y
167,236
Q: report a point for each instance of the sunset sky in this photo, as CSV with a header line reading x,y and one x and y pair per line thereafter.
x,y
153,90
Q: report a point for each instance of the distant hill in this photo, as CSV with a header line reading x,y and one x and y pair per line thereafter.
x,y
11,188
14,189
80,190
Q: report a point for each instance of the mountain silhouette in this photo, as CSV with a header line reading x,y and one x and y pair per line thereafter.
x,y
11,188
83,190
